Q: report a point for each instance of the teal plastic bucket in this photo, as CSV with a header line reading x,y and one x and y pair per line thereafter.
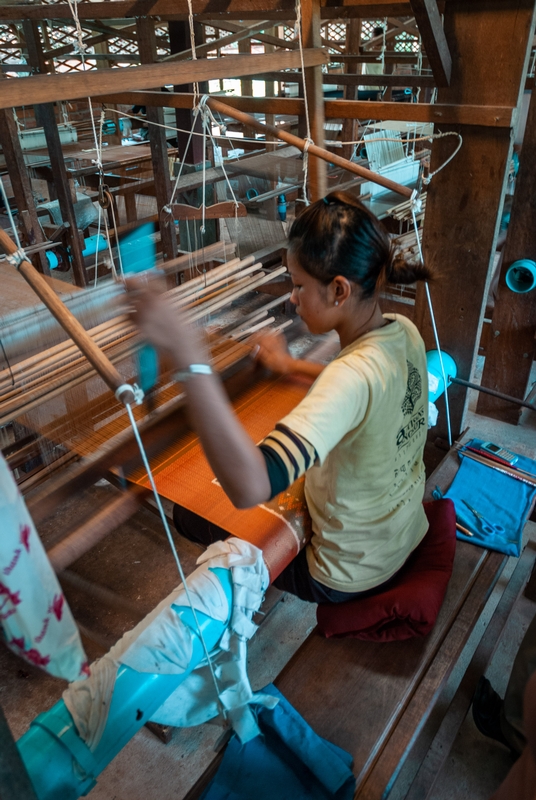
x,y
521,276
435,373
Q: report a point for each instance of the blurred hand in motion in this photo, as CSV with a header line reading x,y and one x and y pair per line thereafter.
x,y
271,351
162,325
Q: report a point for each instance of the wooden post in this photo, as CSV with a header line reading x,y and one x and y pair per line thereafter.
x,y
353,42
511,348
246,84
46,117
179,40
318,176
21,184
157,139
15,783
271,204
464,199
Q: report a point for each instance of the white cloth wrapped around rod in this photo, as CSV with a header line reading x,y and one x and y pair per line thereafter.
x,y
162,644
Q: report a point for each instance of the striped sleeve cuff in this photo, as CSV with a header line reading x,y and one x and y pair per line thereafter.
x,y
288,456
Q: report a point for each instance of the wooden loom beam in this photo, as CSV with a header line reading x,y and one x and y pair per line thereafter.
x,y
487,116
92,83
67,320
231,9
320,152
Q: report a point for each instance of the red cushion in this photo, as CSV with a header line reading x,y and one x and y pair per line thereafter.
x,y
409,606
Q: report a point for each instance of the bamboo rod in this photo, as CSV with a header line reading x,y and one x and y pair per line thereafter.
x,y
68,322
312,149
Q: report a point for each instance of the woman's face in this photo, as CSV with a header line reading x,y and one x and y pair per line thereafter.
x,y
310,298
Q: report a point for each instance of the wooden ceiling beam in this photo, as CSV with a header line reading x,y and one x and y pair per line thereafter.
x,y
433,37
396,29
93,83
266,38
449,114
203,49
352,79
175,9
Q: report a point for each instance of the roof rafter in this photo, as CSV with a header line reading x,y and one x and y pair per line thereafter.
x,y
435,42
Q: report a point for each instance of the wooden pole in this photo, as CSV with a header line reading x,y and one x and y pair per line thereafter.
x,y
69,323
20,183
158,142
320,152
313,91
46,117
353,42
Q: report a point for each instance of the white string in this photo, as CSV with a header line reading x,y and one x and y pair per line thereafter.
x,y
308,139
98,145
192,45
10,215
381,57
165,523
428,138
414,203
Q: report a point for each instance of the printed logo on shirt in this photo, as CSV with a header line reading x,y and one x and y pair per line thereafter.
x,y
413,390
409,431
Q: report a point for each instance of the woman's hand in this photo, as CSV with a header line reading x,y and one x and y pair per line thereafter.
x,y
271,351
164,326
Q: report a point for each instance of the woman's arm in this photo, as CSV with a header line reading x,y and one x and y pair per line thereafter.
x,y
272,353
236,461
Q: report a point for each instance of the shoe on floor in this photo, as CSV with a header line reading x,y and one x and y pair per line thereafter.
x,y
487,706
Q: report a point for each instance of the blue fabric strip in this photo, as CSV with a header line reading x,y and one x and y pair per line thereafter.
x,y
288,761
502,500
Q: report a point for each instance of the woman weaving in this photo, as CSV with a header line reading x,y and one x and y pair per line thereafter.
x,y
359,433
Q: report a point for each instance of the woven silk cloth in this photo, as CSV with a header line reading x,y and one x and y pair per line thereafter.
x,y
35,619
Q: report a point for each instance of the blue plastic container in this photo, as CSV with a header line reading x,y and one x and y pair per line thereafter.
x,y
436,382
521,276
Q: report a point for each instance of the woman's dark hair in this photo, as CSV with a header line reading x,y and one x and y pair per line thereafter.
x,y
339,236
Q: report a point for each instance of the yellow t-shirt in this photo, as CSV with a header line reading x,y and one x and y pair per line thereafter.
x,y
366,415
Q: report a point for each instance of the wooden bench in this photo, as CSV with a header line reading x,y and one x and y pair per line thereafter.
x,y
389,704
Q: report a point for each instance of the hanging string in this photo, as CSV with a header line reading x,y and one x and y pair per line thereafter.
x,y
192,45
308,139
98,145
414,207
167,530
10,216
381,57
429,137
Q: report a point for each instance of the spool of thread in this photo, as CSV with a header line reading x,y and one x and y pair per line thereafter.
x,y
435,373
521,276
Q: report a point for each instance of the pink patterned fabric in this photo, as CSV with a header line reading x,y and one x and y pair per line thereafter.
x,y
35,620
